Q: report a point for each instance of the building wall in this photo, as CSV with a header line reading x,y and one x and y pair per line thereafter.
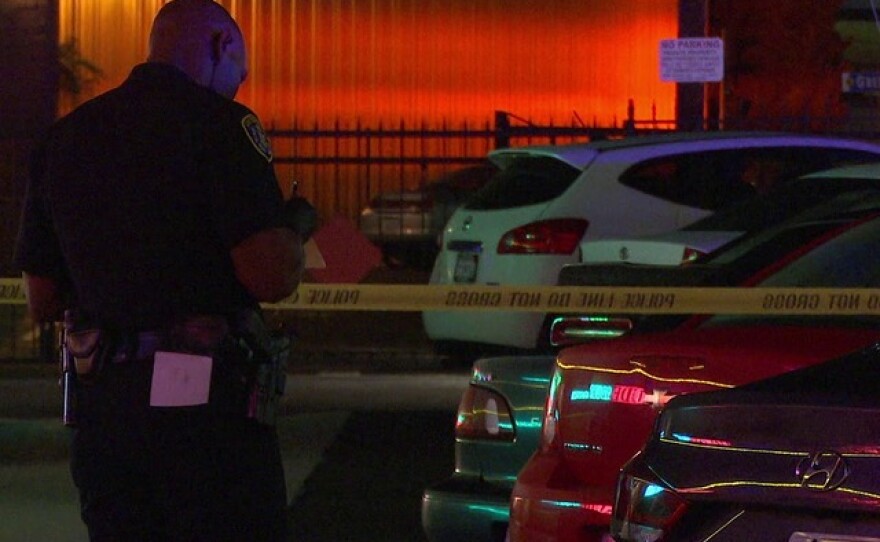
x,y
419,60
28,94
28,44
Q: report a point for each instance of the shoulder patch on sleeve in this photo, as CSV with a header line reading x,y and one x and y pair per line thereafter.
x,y
257,136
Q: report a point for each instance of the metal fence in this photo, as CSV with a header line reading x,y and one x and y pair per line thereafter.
x,y
342,167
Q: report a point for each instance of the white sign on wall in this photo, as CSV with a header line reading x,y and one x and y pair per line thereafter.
x,y
861,82
692,60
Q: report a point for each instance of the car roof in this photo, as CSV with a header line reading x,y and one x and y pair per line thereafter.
x,y
858,171
581,154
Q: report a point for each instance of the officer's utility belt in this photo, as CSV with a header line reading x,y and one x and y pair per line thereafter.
x,y
203,335
183,358
91,347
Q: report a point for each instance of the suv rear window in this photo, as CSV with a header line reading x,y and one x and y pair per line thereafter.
x,y
526,181
712,179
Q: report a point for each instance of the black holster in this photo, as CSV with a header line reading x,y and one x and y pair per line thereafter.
x,y
81,352
269,352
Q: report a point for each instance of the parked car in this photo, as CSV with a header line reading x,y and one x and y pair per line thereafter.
x,y
791,458
494,437
787,221
525,224
604,397
754,213
474,503
406,224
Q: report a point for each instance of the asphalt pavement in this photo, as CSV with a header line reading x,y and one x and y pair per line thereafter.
x,y
38,501
358,451
369,484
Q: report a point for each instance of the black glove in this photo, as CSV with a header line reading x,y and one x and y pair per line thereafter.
x,y
300,216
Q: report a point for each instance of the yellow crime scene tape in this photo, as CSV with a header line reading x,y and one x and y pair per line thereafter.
x,y
561,299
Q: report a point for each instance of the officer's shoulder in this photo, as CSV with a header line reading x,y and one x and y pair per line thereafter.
x,y
241,119
226,110
84,116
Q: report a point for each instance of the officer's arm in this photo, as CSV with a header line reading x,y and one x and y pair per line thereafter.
x,y
45,299
269,263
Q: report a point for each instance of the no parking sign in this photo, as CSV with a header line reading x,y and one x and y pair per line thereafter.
x,y
692,60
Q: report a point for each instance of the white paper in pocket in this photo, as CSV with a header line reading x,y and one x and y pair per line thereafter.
x,y
180,380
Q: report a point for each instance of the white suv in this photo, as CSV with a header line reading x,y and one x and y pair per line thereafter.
x,y
528,221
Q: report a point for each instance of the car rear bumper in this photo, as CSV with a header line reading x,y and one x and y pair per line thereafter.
x,y
465,508
540,513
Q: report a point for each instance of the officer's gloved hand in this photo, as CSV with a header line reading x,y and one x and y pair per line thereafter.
x,y
300,216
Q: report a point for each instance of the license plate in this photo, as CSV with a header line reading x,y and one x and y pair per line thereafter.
x,y
465,267
828,537
390,225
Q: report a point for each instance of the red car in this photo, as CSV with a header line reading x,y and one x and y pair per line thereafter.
x,y
605,396
717,466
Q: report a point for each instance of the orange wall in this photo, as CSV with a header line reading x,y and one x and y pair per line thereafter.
x,y
415,60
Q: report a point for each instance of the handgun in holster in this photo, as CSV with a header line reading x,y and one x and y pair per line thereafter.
x,y
270,351
81,351
68,378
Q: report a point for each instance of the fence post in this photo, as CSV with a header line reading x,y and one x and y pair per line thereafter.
x,y
502,130
630,124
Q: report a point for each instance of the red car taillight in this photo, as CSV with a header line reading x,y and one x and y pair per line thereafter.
x,y
557,236
644,510
549,435
484,415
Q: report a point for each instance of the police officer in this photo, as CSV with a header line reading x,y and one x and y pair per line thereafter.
x,y
153,211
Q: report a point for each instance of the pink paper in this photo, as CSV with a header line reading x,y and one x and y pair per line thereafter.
x,y
180,380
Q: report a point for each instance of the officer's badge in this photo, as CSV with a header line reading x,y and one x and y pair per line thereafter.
x,y
255,133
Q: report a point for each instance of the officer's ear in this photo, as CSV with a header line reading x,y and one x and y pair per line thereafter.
x,y
220,40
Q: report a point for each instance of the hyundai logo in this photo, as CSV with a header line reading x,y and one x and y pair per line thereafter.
x,y
822,471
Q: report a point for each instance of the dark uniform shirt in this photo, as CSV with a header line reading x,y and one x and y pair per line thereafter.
x,y
137,197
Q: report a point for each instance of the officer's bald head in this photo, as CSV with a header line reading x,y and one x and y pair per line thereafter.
x,y
203,40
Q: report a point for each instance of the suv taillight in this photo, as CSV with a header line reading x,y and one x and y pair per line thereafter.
x,y
483,415
556,236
